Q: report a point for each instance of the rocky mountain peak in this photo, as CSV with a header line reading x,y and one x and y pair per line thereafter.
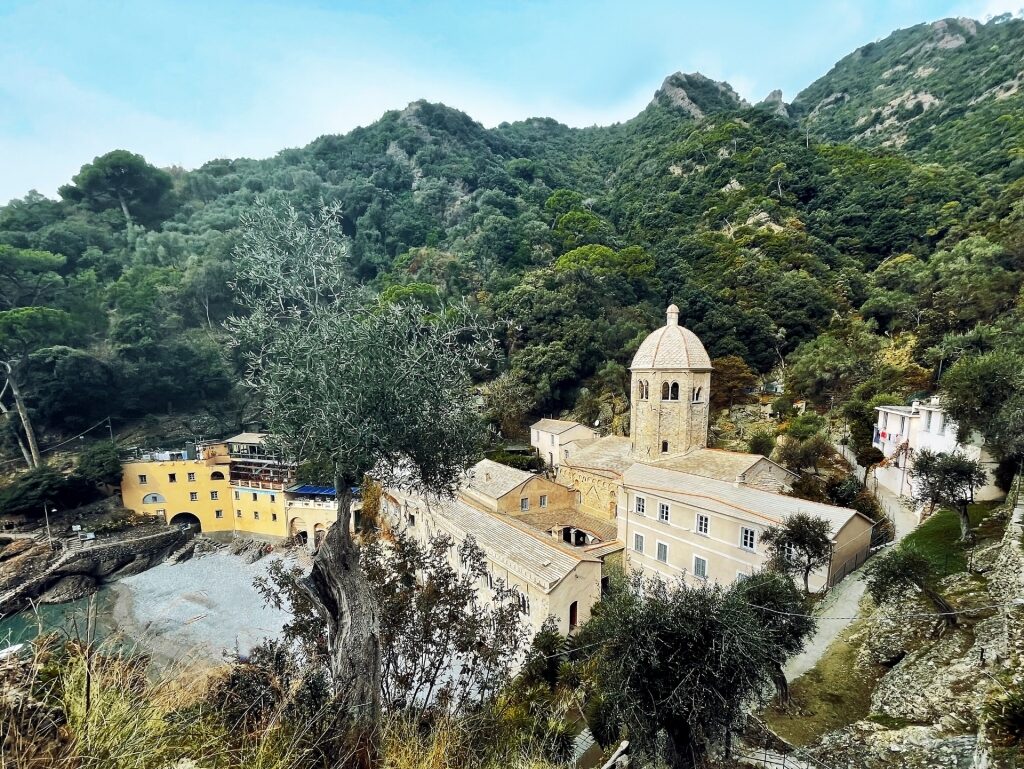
x,y
774,104
697,95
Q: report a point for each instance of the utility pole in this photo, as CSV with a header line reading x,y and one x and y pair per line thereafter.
x,y
46,515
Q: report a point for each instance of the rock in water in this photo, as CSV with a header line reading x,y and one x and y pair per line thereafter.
x,y
69,588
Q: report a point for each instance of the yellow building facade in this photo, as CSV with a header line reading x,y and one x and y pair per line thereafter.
x,y
227,488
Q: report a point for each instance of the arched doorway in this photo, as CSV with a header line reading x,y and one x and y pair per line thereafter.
x,y
189,520
319,532
298,531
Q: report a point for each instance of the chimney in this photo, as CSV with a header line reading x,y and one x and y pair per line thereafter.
x,y
915,406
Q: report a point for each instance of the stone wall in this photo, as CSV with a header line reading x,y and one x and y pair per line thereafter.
x,y
32,573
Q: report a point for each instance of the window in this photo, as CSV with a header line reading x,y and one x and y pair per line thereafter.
x,y
790,550
748,538
640,505
273,497
254,496
238,513
927,421
664,447
663,552
143,480
237,495
885,419
216,475
256,515
903,425
663,512
191,477
162,512
645,390
273,516
573,614
697,394
675,392
524,504
214,495
193,496
218,513
703,524
412,520
543,500
700,567
172,477
664,391
638,542
552,439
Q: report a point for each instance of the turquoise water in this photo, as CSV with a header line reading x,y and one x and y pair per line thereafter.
x,y
65,617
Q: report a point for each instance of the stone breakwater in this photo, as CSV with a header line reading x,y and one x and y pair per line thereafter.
x,y
30,571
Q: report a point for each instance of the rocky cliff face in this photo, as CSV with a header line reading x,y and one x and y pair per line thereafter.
x,y
920,88
30,571
927,709
697,95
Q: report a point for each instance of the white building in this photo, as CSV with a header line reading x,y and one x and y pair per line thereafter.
x,y
556,439
901,431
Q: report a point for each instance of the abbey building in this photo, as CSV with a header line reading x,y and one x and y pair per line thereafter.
x,y
680,508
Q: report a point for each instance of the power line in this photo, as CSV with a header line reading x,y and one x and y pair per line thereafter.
x,y
81,435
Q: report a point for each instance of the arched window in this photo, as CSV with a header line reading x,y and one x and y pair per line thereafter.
x,y
664,391
645,390
696,394
675,391
152,499
216,475
664,447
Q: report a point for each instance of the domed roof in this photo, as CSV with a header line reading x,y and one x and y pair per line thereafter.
x,y
672,347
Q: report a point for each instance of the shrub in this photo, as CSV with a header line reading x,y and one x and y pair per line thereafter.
x,y
1003,713
761,442
528,462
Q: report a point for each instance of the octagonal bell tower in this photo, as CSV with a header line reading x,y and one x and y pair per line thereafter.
x,y
671,383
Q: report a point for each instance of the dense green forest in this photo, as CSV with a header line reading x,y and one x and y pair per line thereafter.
x,y
861,264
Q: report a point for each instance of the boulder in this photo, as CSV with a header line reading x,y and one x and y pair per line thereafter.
x,y
69,589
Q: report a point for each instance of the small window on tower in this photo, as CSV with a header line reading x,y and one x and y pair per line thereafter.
x,y
697,394
675,391
664,391
664,447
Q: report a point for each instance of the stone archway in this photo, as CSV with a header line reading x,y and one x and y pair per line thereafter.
x,y
299,531
191,519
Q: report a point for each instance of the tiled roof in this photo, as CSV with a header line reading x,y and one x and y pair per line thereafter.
x,y
493,479
546,520
671,347
556,426
499,535
755,505
714,463
610,453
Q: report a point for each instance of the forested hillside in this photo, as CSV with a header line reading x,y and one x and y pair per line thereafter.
x,y
867,250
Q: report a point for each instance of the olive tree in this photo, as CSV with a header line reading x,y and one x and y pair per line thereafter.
x,y
355,385
948,479
903,567
800,545
683,659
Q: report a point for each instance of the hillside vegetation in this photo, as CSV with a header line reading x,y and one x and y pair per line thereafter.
x,y
867,251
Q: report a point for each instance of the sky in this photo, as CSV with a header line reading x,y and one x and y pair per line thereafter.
x,y
186,81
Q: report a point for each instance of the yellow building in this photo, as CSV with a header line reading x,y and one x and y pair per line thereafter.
x,y
227,488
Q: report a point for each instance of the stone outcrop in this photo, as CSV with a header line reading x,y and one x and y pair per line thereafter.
x,y
926,709
34,572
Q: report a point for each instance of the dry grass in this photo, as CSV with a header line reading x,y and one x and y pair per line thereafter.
x,y
829,696
69,706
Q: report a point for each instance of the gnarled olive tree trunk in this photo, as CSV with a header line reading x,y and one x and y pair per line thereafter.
x,y
338,584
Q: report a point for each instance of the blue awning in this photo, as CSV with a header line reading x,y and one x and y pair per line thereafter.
x,y
314,491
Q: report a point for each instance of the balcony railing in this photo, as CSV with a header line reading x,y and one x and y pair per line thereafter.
x,y
312,504
270,485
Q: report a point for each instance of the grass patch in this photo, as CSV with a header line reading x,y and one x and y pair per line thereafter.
x,y
829,696
937,538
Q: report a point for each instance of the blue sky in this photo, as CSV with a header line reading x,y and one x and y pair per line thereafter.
x,y
183,82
